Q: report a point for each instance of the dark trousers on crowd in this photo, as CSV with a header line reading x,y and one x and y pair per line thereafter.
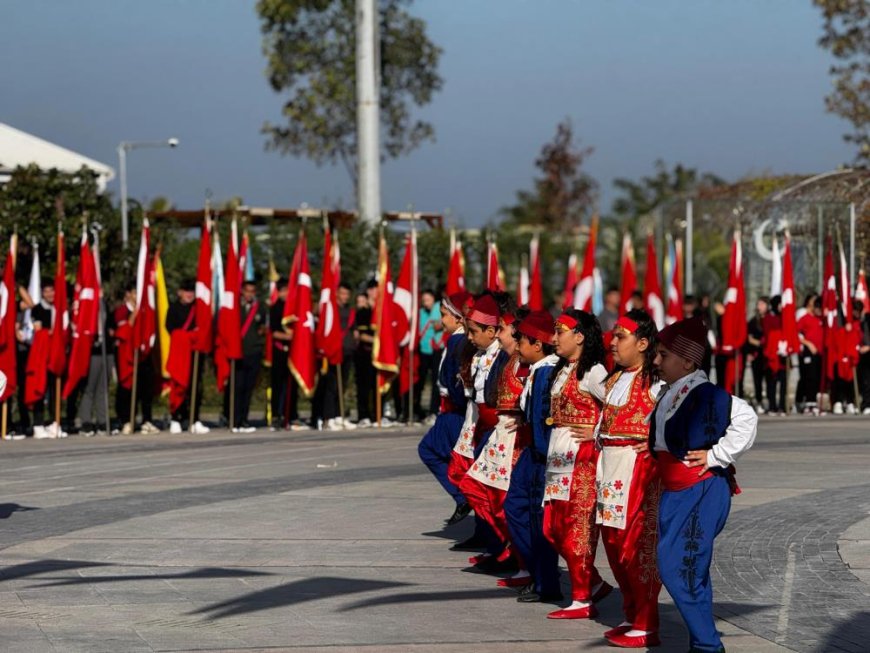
x,y
776,382
842,391
325,404
810,368
47,403
23,412
92,408
285,393
366,380
247,371
182,415
145,395
756,367
429,372
864,380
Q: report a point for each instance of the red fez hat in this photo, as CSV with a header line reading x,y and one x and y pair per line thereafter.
x,y
485,311
458,303
538,325
686,338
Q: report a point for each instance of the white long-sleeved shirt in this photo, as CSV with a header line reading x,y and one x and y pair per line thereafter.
x,y
738,438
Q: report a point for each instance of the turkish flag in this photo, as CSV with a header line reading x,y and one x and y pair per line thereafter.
x,y
290,314
570,282
536,291
202,305
675,283
788,308
145,315
734,318
60,331
301,359
328,338
861,292
86,303
406,305
652,290
385,351
523,286
273,297
228,343
829,312
8,305
629,274
494,277
586,285
456,272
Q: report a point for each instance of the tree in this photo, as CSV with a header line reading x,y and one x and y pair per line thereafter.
x,y
310,46
564,193
847,37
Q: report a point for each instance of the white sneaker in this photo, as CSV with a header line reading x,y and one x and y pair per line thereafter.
x,y
199,428
55,431
40,433
364,423
760,410
347,425
387,423
13,436
127,429
247,429
866,411
334,425
851,410
149,428
838,408
175,427
430,421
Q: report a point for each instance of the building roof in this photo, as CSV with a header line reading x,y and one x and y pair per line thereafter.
x,y
18,148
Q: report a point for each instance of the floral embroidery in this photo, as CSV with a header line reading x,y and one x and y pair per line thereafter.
x,y
692,534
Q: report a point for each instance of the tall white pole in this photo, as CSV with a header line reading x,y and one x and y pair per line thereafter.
x,y
368,119
852,218
122,160
690,231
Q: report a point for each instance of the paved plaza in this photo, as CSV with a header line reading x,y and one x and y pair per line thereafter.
x,y
332,542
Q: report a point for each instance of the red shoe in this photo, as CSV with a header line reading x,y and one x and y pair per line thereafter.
x,y
480,557
605,589
588,612
619,630
522,581
641,641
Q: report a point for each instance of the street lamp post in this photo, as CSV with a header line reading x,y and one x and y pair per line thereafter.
x,y
123,148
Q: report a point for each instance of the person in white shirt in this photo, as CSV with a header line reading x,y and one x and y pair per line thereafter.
x,y
697,431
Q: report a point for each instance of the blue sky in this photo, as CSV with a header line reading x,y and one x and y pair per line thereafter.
x,y
733,87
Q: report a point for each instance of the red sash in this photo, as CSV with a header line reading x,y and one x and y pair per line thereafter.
x,y
250,319
486,419
676,475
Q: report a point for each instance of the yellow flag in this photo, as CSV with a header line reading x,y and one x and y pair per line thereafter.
x,y
162,309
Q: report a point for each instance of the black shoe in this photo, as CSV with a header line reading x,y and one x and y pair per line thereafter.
x,y
473,543
529,595
491,565
462,511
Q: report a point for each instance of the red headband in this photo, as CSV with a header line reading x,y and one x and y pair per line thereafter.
x,y
567,320
626,323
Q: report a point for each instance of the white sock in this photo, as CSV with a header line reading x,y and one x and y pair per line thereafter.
x,y
576,605
635,633
522,573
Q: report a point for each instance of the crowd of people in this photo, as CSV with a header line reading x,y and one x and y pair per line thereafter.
x,y
555,432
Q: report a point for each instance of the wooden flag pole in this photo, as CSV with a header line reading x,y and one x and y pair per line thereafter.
x,y
377,402
193,389
57,405
5,417
132,421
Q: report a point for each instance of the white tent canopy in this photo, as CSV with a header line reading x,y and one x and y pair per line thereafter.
x,y
18,148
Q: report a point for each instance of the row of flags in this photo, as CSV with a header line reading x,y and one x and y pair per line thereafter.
x,y
65,351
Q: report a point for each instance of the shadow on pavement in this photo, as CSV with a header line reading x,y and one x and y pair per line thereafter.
x,y
205,572
425,597
45,566
300,591
852,634
6,509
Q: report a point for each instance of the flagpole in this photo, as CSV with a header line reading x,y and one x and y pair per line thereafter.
x,y
5,416
193,387
412,332
95,230
57,403
232,393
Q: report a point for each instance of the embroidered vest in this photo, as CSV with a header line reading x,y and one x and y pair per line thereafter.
x,y
573,406
700,421
510,385
629,420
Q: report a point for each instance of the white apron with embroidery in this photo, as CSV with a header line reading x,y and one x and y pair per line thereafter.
x,y
562,449
615,465
493,465
465,444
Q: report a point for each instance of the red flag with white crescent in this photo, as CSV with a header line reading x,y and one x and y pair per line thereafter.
x,y
629,274
570,282
57,357
586,285
675,283
203,302
85,304
652,290
328,338
788,307
301,359
829,311
455,273
861,293
385,350
734,318
228,343
536,291
145,324
494,276
8,305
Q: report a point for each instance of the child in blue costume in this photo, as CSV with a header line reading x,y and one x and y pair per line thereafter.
x,y
523,505
697,430
436,446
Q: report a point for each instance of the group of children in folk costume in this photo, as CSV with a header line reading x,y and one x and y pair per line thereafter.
x,y
550,449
